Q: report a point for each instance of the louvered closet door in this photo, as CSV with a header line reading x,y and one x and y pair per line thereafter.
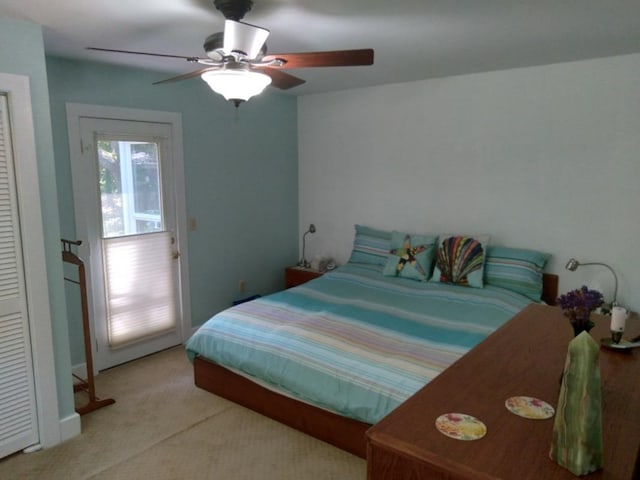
x,y
18,419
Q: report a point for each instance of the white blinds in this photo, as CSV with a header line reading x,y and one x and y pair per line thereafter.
x,y
140,289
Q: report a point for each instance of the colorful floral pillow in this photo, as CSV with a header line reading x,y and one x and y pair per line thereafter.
x,y
370,245
460,260
410,256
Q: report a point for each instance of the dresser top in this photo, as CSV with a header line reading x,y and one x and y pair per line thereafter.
x,y
526,356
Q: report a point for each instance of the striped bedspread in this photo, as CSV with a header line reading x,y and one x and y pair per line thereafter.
x,y
354,341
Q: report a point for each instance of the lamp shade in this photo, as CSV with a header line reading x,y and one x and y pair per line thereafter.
x,y
236,84
572,265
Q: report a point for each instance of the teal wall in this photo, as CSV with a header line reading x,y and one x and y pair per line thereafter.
x,y
22,53
241,177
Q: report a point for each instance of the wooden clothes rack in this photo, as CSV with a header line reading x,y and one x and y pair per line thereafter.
x,y
84,385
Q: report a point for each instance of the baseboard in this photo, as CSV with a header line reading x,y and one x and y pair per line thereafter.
x,y
79,370
70,427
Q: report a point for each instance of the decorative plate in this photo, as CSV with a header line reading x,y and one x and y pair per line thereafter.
x,y
623,345
460,426
529,407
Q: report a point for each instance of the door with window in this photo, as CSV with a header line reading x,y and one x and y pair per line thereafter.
x,y
125,200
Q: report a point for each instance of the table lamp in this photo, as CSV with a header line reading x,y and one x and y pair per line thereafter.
x,y
303,261
573,265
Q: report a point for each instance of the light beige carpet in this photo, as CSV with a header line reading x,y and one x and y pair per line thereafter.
x,y
164,427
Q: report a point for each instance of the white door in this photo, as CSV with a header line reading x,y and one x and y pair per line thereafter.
x,y
125,193
18,426
29,411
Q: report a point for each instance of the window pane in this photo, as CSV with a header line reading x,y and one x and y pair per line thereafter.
x,y
129,188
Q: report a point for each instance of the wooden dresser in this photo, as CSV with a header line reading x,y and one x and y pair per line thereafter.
x,y
524,357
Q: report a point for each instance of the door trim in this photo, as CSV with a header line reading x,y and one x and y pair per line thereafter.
x,y
76,111
34,259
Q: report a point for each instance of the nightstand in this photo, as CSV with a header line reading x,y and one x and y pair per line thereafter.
x,y
294,276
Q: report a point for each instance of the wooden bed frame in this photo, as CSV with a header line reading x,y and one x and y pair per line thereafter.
x,y
339,431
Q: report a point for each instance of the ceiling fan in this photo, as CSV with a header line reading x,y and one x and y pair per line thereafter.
x,y
237,65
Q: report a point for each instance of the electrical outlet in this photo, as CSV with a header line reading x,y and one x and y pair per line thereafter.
x,y
242,286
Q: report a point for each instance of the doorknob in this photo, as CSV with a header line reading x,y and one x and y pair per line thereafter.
x,y
176,255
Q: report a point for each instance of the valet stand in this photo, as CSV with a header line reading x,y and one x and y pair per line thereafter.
x,y
83,385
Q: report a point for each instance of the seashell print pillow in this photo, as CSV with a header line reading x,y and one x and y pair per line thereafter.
x,y
460,260
410,256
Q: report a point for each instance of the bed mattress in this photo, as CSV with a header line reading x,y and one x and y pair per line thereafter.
x,y
353,341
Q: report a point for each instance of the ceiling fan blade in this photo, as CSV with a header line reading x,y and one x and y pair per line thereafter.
x,y
243,37
186,76
190,59
335,58
281,80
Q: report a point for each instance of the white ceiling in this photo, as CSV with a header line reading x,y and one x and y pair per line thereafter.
x,y
412,39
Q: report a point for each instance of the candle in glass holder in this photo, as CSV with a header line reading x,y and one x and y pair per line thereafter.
x,y
618,320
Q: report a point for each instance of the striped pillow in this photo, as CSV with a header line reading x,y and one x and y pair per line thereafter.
x,y
370,245
516,269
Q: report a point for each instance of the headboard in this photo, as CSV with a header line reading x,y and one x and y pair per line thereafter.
x,y
549,288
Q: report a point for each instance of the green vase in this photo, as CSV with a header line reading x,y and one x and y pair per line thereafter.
x,y
577,430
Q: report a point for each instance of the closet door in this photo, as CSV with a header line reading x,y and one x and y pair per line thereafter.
x,y
18,416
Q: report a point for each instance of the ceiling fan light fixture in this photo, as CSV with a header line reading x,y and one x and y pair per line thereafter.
x,y
236,85
243,38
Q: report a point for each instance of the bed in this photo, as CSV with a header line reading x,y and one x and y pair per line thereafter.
x,y
333,356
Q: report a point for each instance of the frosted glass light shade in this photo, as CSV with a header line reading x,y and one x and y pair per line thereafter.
x,y
236,84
